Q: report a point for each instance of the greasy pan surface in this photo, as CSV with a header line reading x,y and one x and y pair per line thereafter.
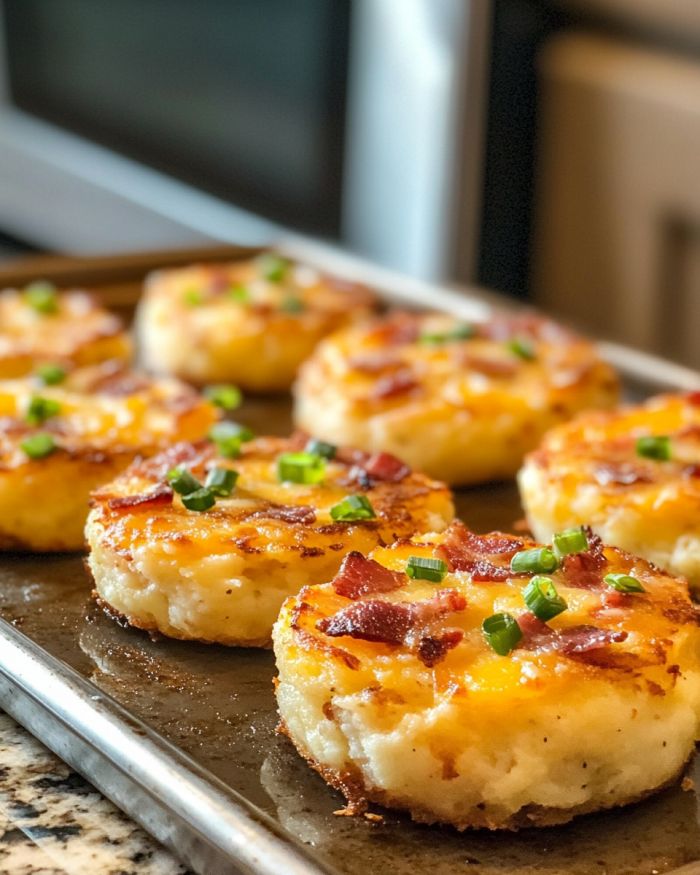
x,y
217,705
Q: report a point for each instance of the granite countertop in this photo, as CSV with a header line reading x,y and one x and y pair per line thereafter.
x,y
52,822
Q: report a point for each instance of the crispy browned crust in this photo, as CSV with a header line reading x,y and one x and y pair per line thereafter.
x,y
359,795
129,622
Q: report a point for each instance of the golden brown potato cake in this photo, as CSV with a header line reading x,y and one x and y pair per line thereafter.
x,y
249,322
633,475
462,402
480,681
40,325
59,441
218,569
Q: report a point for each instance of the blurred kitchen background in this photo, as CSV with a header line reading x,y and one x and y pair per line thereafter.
x,y
548,150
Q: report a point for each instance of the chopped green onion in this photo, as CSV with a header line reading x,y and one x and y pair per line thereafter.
x,y
226,396
51,375
292,304
301,468
623,583
273,267
220,481
522,347
570,541
42,297
182,481
38,445
40,409
321,448
502,632
426,568
228,437
542,598
539,559
201,499
353,507
658,447
460,332
239,293
193,297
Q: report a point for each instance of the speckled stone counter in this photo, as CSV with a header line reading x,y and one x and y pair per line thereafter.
x,y
53,822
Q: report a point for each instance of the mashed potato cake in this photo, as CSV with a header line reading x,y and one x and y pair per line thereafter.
x,y
62,434
170,560
441,678
40,325
249,322
462,402
633,475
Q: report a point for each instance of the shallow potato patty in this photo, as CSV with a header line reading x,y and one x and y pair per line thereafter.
x,y
462,402
220,575
59,442
389,687
592,471
249,322
40,325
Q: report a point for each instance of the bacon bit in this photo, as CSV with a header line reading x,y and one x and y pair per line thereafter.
x,y
620,474
463,551
572,641
432,649
359,576
287,513
693,398
160,495
691,472
655,689
374,620
384,466
400,329
613,598
375,362
179,454
399,623
489,367
584,570
531,626
398,383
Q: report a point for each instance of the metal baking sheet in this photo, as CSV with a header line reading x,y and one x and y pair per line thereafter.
x,y
182,736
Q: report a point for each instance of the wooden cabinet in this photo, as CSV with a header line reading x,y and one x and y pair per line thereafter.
x,y
616,246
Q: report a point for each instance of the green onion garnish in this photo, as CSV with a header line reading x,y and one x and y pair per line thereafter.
x,y
522,347
321,448
42,297
220,481
292,304
460,332
301,468
239,293
542,598
228,437
226,396
426,568
658,447
38,445
535,561
51,375
273,267
570,541
353,507
193,297
623,583
40,409
201,499
182,481
502,632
